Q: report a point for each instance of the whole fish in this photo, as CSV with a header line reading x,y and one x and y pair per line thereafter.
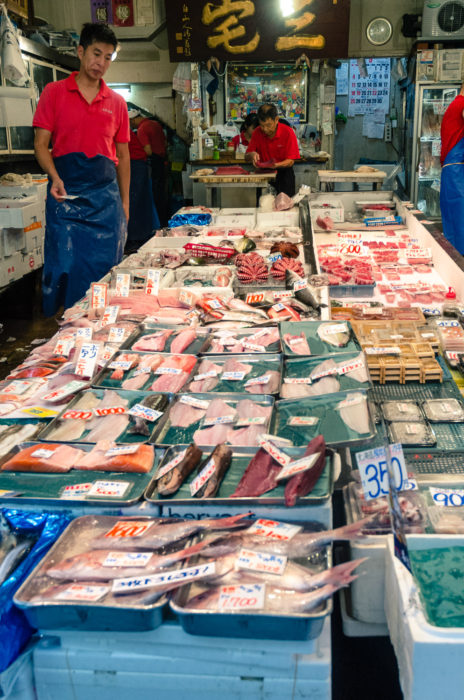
x,y
307,295
170,482
14,557
222,459
125,536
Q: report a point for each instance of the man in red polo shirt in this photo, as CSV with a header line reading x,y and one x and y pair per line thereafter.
x,y
151,135
274,143
88,126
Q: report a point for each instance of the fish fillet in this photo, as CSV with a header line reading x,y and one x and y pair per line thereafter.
x,y
73,428
246,408
218,408
208,383
182,415
361,374
108,427
153,342
355,415
137,381
259,476
60,458
139,462
247,436
233,365
271,387
212,436
297,343
182,340
338,340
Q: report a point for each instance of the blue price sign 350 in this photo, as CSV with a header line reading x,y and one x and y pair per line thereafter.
x,y
373,468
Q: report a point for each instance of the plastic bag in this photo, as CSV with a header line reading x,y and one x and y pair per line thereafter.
x,y
182,79
13,66
15,630
189,220
283,202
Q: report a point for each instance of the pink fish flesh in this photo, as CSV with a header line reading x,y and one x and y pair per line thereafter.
x,y
183,339
299,346
153,342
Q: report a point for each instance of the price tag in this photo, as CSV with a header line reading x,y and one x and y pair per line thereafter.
x,y
66,390
430,312
145,412
336,328
227,342
110,315
254,420
141,370
453,356
325,373
303,420
205,375
351,367
391,350
87,359
273,529
243,597
123,281
447,497
64,346
121,364
300,284
253,347
168,370
410,485
106,354
214,303
77,415
298,380
372,465
109,489
187,297
205,474
274,451
129,528
274,257
127,559
153,282
116,335
110,411
85,333
261,561
278,307
82,593
448,324
75,490
219,420
348,248
171,464
40,412
283,294
192,401
140,583
99,294
122,450
17,387
42,453
414,253
232,376
264,379
297,466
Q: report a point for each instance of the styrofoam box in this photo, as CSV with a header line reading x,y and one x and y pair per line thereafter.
x,y
229,216
19,213
32,260
37,188
290,217
12,240
33,238
169,664
430,659
336,211
17,681
11,269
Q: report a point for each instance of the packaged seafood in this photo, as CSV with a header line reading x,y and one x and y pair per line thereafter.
x,y
242,459
207,419
147,372
248,373
107,414
321,338
262,340
342,418
406,410
315,376
413,510
412,433
443,410
160,338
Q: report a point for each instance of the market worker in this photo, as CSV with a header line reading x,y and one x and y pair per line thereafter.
x,y
452,175
249,124
151,135
88,126
274,141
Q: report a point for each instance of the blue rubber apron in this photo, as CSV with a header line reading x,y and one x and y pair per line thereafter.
x,y
452,196
142,214
84,237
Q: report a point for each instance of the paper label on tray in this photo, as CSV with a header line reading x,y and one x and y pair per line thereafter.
x,y
284,294
123,281
77,415
300,284
192,401
107,353
261,561
205,375
66,390
140,583
351,367
418,253
298,380
84,333
373,469
87,360
244,597
187,297
410,485
254,298
153,282
454,356
273,529
121,364
18,387
412,429
274,451
325,373
429,312
145,412
351,400
232,376
116,335
278,307
141,370
219,420
64,346
129,528
447,497
205,474
264,379
252,346
99,293
171,464
110,315
168,370
127,559
75,490
81,592
255,420
390,350
110,411
297,466
109,489
122,450
214,303
276,439
42,453
336,328
303,420
40,412
294,341
448,324
227,342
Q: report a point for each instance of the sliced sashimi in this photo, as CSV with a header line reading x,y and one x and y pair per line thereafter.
x,y
46,458
183,339
212,436
297,343
259,476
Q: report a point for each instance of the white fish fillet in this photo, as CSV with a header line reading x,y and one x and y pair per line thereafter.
x,y
361,374
73,428
356,414
338,340
108,427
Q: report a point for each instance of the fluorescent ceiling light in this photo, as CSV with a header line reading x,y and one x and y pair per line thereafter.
x,y
287,7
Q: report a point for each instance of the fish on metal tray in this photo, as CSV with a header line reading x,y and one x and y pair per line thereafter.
x,y
220,459
172,480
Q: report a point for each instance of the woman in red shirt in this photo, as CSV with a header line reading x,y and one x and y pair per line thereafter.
x,y
249,125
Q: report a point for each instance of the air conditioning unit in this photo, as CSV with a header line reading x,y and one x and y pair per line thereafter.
x,y
443,19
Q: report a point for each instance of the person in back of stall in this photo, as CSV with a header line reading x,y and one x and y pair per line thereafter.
x,y
249,124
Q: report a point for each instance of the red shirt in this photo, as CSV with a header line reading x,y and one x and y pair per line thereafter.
x,y
239,138
136,151
151,133
283,144
79,127
452,126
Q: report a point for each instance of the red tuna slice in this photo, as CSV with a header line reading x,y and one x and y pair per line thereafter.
x,y
303,483
259,476
183,339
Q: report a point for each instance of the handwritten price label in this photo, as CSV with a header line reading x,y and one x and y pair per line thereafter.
x,y
153,282
129,528
85,333
372,465
232,376
64,346
145,412
171,464
265,379
123,559
66,390
109,489
447,497
116,335
274,451
192,401
244,597
140,583
123,281
122,450
219,420
303,420
87,359
274,529
297,466
110,315
262,562
110,411
205,474
349,248
99,295
77,415
82,593
75,491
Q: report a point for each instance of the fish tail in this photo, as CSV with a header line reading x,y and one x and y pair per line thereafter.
x,y
224,523
352,531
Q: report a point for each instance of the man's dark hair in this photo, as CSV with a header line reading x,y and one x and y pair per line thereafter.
x,y
267,111
97,32
250,120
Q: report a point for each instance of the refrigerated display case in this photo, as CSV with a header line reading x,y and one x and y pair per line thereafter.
x,y
431,101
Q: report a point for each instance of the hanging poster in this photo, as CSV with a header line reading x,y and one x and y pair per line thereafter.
x,y
372,92
342,79
123,13
101,11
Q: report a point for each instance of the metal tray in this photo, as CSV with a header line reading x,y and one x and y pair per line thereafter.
x,y
163,433
261,364
133,397
330,423
111,613
244,333
316,345
241,457
196,347
103,377
253,625
47,489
